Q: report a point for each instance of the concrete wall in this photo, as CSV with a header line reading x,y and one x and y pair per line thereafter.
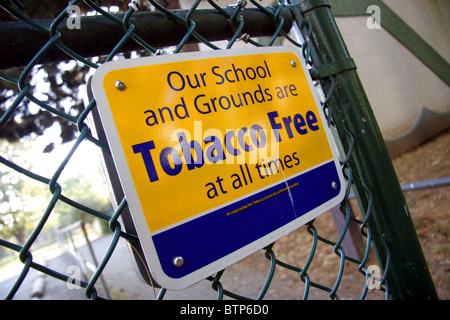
x,y
409,101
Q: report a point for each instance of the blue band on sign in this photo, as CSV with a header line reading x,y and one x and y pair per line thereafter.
x,y
219,233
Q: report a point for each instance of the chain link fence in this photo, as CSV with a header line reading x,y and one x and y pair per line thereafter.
x,y
91,33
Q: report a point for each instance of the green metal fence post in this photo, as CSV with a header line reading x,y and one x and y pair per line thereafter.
x,y
394,235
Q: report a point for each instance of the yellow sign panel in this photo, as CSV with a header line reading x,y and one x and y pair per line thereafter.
x,y
192,134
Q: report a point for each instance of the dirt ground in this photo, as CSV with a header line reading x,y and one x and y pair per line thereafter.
x,y
429,209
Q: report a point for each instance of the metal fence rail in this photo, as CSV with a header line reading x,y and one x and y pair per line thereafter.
x,y
27,43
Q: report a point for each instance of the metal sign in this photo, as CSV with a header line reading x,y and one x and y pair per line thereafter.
x,y
219,153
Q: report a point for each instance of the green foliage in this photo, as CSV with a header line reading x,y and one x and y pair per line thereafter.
x,y
23,201
80,189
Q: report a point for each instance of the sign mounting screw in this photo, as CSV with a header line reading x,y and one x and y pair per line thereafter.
x,y
120,85
334,185
178,261
293,64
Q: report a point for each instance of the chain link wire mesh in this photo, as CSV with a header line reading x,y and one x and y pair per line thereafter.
x,y
318,246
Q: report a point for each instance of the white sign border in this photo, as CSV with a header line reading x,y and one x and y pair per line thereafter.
x,y
129,189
